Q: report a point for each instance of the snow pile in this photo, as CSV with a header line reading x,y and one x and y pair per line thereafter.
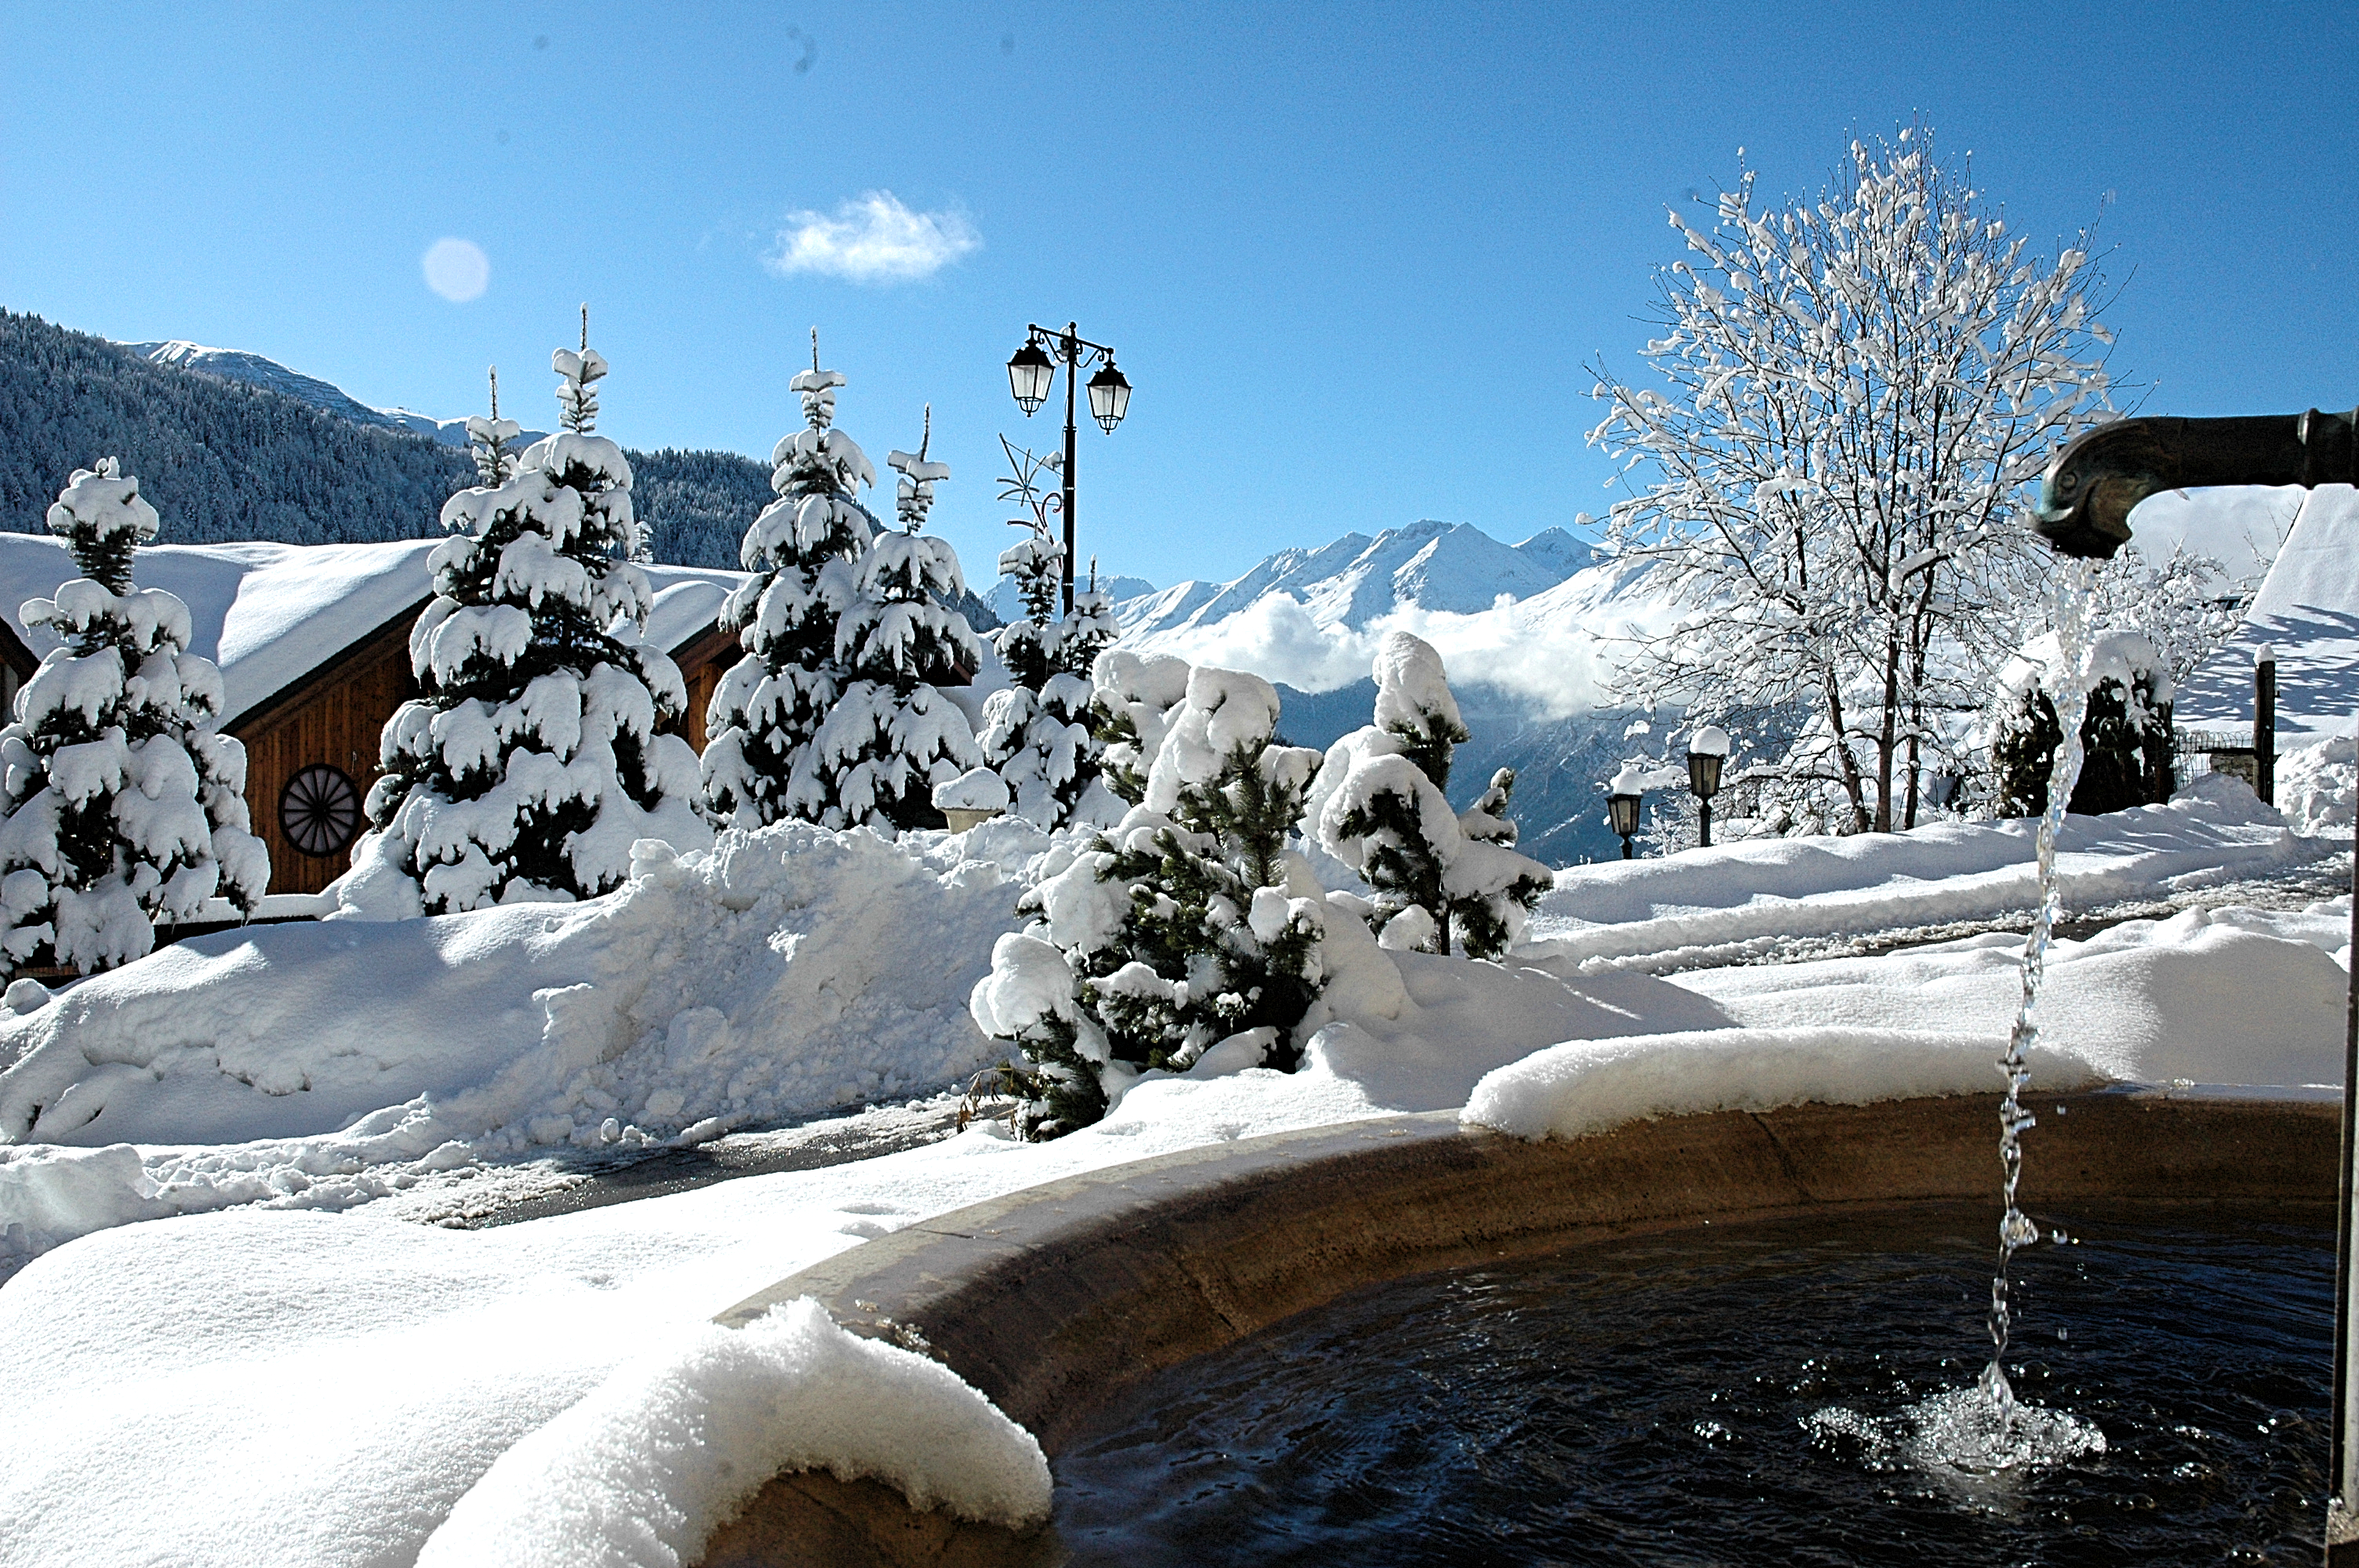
x,y
675,1443
1708,903
2221,996
1573,1090
777,974
2318,786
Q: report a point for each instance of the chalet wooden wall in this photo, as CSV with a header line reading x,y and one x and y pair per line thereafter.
x,y
702,660
336,715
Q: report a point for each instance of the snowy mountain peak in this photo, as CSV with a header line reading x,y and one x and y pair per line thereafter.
x,y
1453,567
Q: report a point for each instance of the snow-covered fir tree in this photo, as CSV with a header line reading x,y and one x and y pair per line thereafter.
x,y
1380,808
803,551
530,760
1039,734
891,736
1191,928
123,801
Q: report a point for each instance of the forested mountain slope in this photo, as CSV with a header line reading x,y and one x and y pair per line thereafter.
x,y
225,458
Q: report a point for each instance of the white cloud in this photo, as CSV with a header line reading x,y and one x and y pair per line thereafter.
x,y
875,239
457,270
1555,664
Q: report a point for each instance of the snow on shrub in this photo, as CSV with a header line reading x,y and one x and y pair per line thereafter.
x,y
529,764
2127,735
1379,807
122,803
1191,925
803,551
890,736
1134,697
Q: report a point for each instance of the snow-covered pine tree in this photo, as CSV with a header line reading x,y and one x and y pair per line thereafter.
x,y
802,551
123,801
529,762
890,736
1380,808
1192,925
1039,733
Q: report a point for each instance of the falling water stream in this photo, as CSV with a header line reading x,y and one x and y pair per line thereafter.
x,y
1982,1429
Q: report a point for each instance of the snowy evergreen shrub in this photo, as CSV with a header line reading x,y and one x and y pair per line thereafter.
x,y
530,762
803,551
890,736
2126,736
1040,732
122,803
1191,925
1380,808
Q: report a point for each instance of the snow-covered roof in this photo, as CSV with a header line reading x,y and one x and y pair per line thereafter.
x,y
269,615
686,602
2308,613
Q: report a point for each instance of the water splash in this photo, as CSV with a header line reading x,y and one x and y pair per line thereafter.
x,y
2015,1228
1971,1435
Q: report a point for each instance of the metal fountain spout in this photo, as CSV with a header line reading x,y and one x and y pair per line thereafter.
x,y
2085,501
2084,510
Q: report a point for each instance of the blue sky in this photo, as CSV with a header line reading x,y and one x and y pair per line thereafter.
x,y
1354,258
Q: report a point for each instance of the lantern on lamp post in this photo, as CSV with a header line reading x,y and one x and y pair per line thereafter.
x,y
1707,755
1032,370
1623,798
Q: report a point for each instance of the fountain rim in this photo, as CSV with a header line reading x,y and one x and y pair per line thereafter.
x,y
1054,1298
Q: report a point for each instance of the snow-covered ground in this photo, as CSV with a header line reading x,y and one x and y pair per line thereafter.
x,y
335,1384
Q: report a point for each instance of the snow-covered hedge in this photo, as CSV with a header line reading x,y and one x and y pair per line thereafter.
x,y
2126,736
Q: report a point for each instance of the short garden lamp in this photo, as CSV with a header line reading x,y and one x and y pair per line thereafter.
x,y
1621,800
1707,754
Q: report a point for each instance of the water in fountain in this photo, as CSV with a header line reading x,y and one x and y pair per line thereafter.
x,y
1982,1430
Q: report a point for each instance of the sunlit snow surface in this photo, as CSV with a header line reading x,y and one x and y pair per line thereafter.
x,y
352,1377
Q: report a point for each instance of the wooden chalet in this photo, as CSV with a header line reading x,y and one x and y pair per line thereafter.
x,y
314,645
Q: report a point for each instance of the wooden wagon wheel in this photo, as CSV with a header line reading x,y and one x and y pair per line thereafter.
x,y
319,810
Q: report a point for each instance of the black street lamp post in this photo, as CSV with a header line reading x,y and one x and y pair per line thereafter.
x,y
1707,754
1623,798
1030,371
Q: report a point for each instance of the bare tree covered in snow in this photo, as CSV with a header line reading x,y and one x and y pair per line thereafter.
x,y
1379,807
529,762
122,801
890,736
1859,384
803,551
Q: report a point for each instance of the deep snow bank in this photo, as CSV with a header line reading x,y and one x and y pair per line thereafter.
x,y
783,972
2214,831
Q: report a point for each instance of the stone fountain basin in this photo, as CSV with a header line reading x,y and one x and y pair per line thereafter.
x,y
1054,1299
